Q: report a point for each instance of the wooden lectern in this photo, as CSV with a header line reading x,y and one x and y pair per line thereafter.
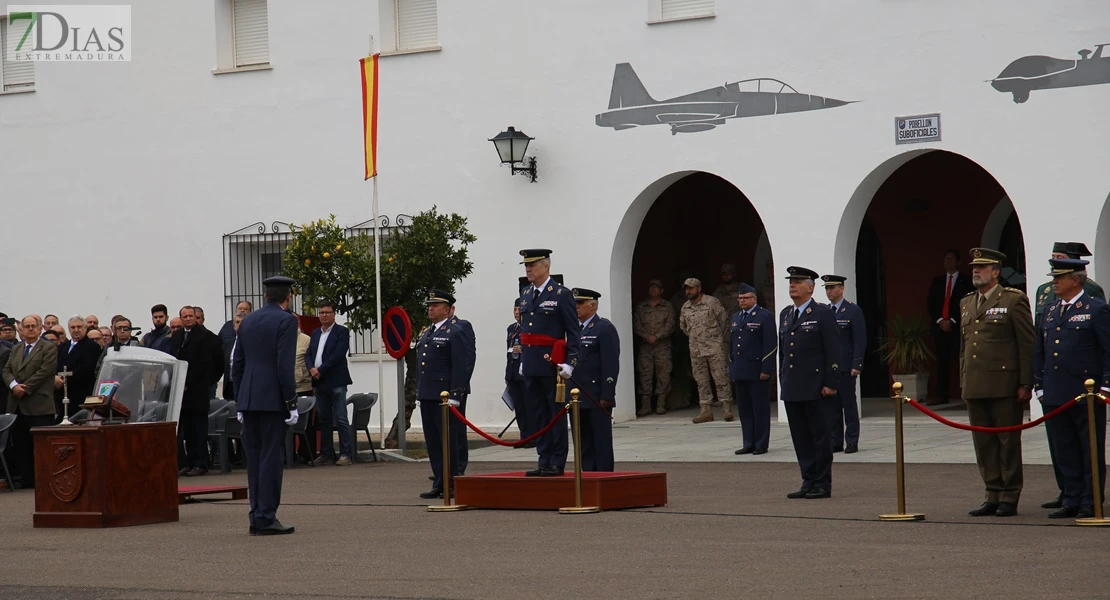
x,y
107,475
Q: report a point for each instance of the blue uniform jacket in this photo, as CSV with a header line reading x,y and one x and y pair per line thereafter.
x,y
599,352
512,365
445,359
334,372
752,344
472,348
265,355
853,336
555,314
809,353
1071,348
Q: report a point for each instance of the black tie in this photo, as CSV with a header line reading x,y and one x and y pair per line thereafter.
x,y
535,294
26,351
795,320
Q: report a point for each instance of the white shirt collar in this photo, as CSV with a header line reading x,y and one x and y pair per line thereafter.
x,y
802,308
438,325
1073,300
587,321
541,287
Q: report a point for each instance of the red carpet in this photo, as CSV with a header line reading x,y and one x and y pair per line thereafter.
x,y
186,492
514,490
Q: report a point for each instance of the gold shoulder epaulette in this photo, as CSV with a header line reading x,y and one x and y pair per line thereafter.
x,y
1010,289
969,294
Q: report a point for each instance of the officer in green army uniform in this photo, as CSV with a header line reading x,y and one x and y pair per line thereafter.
x,y
1047,297
996,374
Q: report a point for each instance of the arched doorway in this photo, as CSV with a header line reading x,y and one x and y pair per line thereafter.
x,y
694,225
896,230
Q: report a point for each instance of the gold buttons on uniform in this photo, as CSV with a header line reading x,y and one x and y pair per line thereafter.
x,y
791,355
974,356
791,343
976,320
1057,341
529,324
1056,354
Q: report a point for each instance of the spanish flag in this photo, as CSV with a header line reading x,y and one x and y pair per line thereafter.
x,y
370,112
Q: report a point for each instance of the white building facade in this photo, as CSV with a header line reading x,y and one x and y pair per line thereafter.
x,y
120,181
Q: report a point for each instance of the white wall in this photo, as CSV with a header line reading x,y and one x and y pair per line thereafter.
x,y
167,157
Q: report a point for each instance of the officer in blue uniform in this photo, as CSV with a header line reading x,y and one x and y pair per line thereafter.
x,y
1073,345
262,370
809,375
514,381
595,376
548,320
752,344
468,337
852,330
445,355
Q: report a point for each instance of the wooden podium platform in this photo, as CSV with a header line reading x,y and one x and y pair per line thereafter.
x,y
609,491
105,476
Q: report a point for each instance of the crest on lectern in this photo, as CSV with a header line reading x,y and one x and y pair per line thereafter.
x,y
66,474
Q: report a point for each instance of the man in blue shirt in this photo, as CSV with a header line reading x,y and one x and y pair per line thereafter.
x,y
752,343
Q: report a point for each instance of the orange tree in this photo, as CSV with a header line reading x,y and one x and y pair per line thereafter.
x,y
329,263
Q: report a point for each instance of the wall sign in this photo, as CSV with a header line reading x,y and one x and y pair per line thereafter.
x,y
916,129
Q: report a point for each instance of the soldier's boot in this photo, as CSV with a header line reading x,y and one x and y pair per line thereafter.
x,y
729,415
706,414
661,405
645,406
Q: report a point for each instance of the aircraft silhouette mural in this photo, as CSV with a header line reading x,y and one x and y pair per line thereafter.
x,y
1030,73
630,104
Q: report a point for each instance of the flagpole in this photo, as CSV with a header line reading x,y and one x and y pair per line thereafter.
x,y
378,298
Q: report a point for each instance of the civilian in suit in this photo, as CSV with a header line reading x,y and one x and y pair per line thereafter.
x,y
5,353
159,315
227,340
326,360
445,358
599,350
79,356
514,381
549,347
944,306
266,392
996,374
852,333
29,375
1073,345
752,343
809,374
194,344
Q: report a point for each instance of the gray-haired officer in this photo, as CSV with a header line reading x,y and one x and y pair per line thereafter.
x,y
852,332
1073,345
599,350
809,374
549,347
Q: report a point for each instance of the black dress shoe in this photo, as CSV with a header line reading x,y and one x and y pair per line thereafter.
x,y
818,493
1006,509
802,493
432,493
1057,503
551,472
534,472
743,451
275,528
1086,512
852,449
182,472
986,509
431,477
1064,512
757,452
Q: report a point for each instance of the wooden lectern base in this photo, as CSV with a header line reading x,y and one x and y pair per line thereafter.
x,y
609,491
105,476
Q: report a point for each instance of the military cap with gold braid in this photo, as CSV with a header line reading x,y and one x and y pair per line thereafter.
x,y
531,255
1067,266
986,256
831,280
581,294
435,295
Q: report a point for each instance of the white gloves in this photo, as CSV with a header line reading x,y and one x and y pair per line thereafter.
x,y
566,371
293,416
1038,393
239,417
453,402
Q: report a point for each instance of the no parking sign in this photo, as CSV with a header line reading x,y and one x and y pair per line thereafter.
x,y
396,332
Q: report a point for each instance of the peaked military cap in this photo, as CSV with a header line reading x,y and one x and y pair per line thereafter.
x,y
584,294
516,301
745,289
986,256
801,273
1064,266
531,255
831,280
279,280
433,296
7,322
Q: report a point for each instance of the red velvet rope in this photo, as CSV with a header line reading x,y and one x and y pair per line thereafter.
x,y
981,429
500,442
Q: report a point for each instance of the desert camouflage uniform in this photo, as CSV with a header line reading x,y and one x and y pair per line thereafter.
x,y
653,361
706,324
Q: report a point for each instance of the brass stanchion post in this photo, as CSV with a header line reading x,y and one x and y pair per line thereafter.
x,y
1092,441
446,473
577,509
902,515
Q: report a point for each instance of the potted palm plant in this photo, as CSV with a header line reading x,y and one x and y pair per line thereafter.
x,y
907,354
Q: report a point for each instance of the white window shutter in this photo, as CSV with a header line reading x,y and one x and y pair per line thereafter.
x,y
417,24
251,32
16,74
684,9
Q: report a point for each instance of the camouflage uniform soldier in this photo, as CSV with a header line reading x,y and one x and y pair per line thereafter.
x,y
729,289
653,323
704,320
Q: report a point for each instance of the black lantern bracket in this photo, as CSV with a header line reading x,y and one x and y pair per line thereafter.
x,y
511,145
